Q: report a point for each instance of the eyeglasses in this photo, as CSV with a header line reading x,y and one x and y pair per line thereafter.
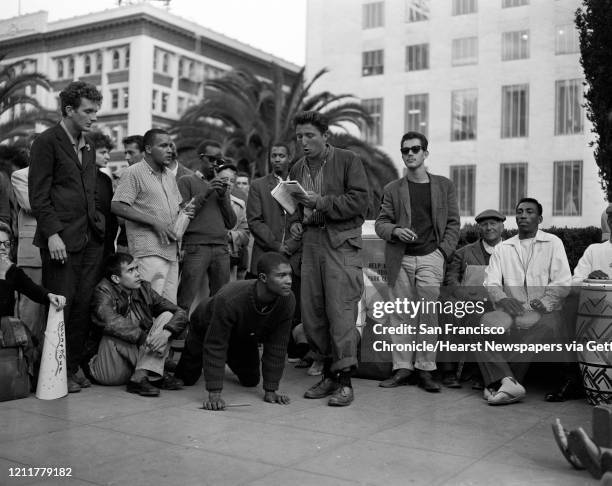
x,y
415,149
5,244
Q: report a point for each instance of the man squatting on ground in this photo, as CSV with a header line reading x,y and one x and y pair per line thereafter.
x,y
419,220
331,216
136,324
227,328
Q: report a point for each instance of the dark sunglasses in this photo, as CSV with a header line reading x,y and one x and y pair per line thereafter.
x,y
415,149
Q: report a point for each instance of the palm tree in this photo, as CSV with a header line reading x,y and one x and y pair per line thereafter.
x,y
246,115
13,83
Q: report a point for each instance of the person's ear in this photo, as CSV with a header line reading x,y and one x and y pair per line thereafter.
x,y
262,277
115,279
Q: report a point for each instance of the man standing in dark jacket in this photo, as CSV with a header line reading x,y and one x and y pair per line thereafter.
x,y
331,215
137,325
62,187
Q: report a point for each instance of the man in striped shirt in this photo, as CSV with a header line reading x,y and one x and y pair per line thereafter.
x,y
148,198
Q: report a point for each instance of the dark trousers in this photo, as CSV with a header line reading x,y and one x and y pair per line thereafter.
x,y
75,279
242,355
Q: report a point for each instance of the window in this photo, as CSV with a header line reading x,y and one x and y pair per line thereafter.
x,y
464,179
164,102
513,186
567,195
515,111
374,107
165,62
372,63
98,62
126,61
115,59
114,98
60,69
568,107
566,39
417,113
464,109
417,10
417,57
191,69
181,105
373,15
515,45
514,3
464,51
87,64
464,7
181,67
126,97
71,66
154,100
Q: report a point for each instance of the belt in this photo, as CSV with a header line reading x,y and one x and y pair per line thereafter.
x,y
317,226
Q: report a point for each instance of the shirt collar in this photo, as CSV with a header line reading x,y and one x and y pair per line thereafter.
x,y
78,145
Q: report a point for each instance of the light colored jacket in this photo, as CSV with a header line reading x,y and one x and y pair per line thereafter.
x,y
597,256
27,254
239,234
546,276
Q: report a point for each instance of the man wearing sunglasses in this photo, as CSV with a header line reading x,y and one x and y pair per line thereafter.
x,y
210,154
419,220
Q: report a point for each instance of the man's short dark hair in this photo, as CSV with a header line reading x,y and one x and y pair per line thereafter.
x,y
100,140
285,145
532,201
207,143
5,228
136,139
72,94
149,136
269,261
114,262
410,135
243,174
316,119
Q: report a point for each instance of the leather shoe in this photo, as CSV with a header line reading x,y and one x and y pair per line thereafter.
x,y
427,383
402,376
168,382
342,397
73,386
570,390
322,389
142,388
450,380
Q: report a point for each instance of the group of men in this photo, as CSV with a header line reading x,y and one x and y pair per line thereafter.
x,y
140,299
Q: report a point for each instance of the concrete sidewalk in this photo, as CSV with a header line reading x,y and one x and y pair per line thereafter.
x,y
386,437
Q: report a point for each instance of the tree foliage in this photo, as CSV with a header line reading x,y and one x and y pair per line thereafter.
x,y
594,22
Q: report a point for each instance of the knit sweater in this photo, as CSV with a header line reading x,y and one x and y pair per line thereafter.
x,y
232,315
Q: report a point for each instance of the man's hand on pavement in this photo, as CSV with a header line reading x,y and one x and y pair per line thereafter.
x,y
214,402
273,397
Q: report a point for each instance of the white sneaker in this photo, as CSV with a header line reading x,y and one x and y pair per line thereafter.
x,y
316,368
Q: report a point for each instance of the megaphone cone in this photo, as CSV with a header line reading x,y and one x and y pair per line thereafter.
x,y
53,378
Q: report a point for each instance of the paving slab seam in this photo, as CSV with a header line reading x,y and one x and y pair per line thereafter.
x,y
293,470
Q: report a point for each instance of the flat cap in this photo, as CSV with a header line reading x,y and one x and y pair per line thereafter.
x,y
490,214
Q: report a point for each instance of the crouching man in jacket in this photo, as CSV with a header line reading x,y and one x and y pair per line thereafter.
x,y
136,324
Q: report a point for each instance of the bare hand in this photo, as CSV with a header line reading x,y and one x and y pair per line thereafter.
x,y
156,342
218,185
5,264
405,235
309,199
273,397
165,232
59,301
214,402
536,304
57,249
296,231
599,275
189,210
511,306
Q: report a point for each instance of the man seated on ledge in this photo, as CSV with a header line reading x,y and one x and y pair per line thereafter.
x,y
227,328
596,263
527,279
136,324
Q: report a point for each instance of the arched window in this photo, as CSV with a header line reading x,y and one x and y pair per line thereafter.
x,y
60,69
115,59
87,64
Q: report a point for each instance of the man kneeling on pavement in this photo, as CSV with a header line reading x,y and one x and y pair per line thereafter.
x,y
136,324
228,327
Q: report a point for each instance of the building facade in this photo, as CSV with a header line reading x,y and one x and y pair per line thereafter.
x,y
149,64
496,85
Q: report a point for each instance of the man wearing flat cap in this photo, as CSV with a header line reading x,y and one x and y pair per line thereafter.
x,y
466,271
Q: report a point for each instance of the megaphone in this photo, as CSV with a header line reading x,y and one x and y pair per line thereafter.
x,y
53,376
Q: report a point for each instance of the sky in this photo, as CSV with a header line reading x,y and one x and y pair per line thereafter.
x,y
274,26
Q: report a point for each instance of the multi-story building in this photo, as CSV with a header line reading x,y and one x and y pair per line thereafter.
x,y
496,85
149,64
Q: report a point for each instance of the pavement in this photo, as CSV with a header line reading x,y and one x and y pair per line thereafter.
x,y
400,436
